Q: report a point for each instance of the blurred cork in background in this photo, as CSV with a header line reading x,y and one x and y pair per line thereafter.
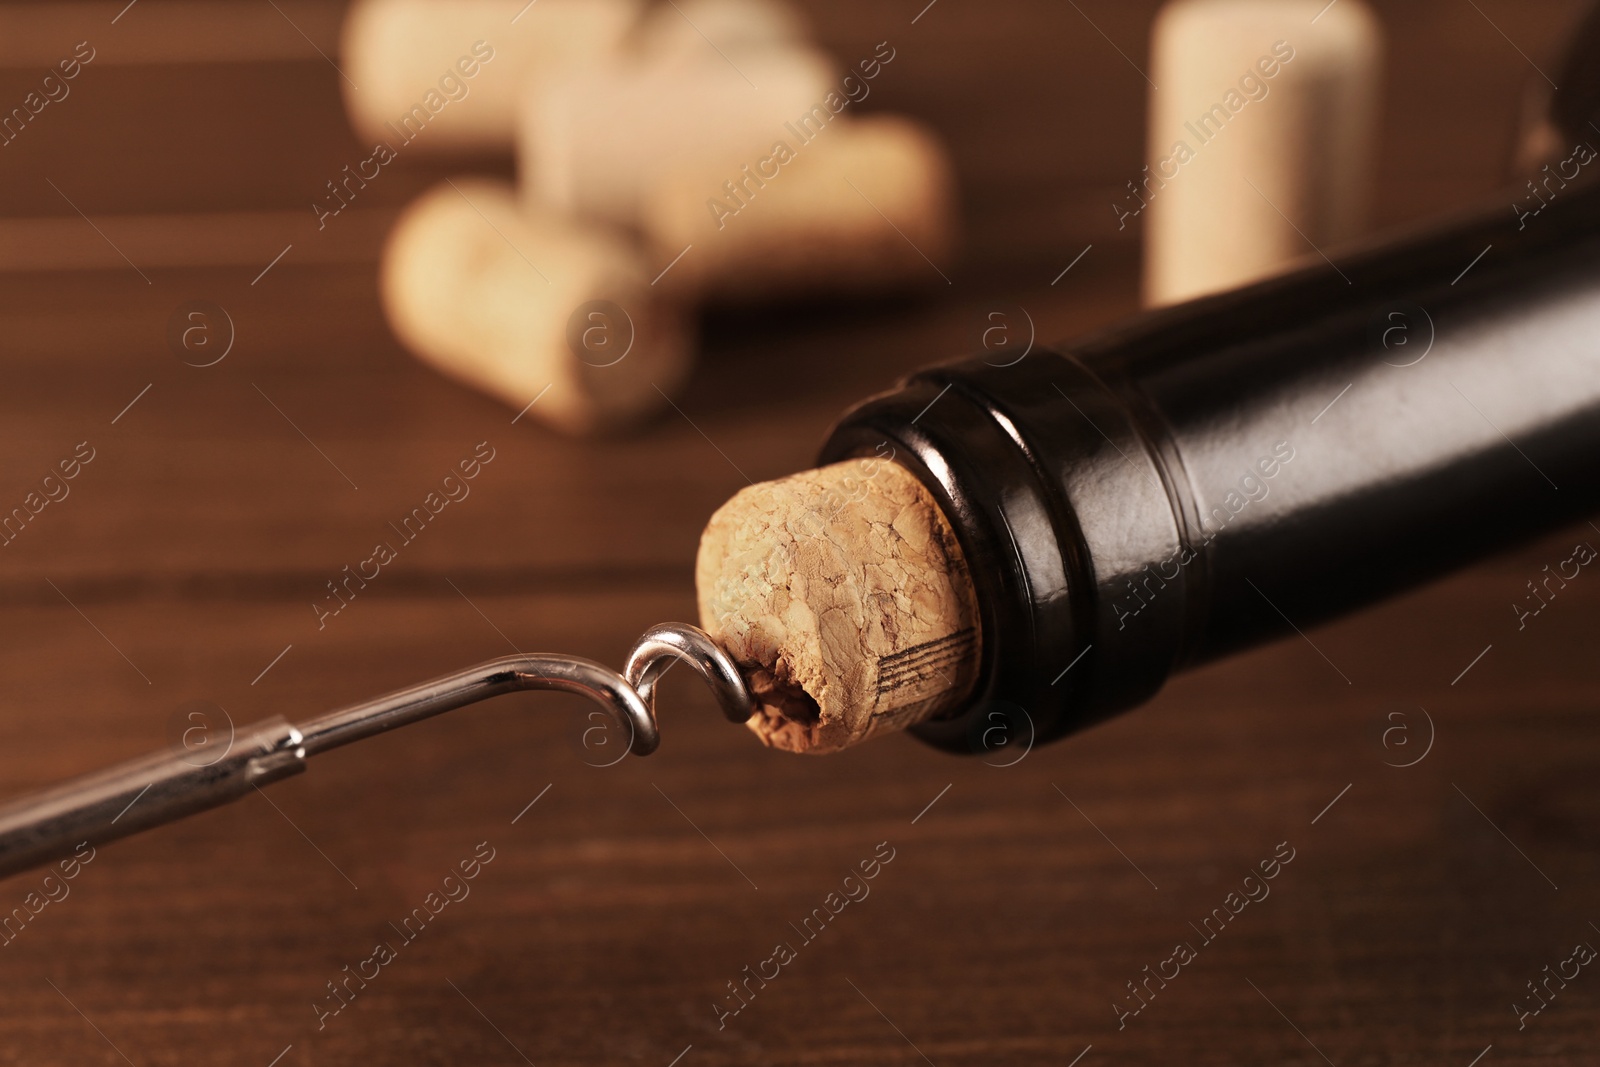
x,y
666,157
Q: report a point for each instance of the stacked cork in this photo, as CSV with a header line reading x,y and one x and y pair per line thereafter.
x,y
696,151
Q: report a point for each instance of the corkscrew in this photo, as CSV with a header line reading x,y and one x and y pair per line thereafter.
x,y
168,785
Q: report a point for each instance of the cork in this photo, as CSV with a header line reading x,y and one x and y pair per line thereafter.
x,y
554,316
844,598
427,77
1261,140
693,31
594,142
867,204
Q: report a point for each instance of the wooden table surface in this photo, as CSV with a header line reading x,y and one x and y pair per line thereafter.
x,y
1020,901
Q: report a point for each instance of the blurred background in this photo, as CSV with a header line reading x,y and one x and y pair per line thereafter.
x,y
201,555
208,118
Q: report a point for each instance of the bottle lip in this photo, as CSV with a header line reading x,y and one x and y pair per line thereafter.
x,y
891,419
1057,501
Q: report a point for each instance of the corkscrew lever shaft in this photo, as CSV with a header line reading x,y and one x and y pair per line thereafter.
x,y
168,785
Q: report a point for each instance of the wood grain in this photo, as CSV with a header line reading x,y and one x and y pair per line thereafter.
x,y
617,908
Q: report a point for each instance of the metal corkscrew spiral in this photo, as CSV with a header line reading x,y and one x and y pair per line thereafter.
x,y
168,785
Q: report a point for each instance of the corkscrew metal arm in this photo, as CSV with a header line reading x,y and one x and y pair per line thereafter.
x,y
165,786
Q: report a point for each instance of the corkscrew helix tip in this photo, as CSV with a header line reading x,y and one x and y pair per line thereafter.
x,y
168,785
659,647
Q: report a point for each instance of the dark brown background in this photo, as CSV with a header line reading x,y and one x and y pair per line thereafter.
x,y
607,925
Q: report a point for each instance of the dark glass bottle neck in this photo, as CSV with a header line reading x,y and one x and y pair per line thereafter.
x,y
1207,476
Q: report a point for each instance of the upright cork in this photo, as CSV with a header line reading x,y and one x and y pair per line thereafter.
x,y
1261,140
843,596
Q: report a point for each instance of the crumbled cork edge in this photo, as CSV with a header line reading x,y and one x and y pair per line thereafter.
x,y
844,598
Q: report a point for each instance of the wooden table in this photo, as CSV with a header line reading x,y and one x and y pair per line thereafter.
x,y
621,901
